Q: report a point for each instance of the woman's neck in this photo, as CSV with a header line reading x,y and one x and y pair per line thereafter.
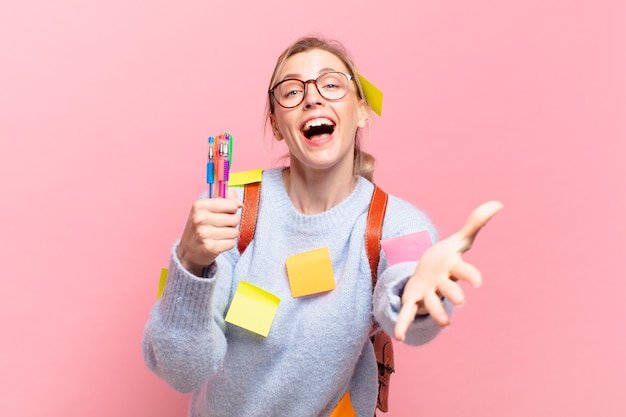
x,y
317,192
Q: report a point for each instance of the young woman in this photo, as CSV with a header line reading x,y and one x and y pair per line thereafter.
x,y
318,347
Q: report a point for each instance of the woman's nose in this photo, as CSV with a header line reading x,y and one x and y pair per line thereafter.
x,y
311,95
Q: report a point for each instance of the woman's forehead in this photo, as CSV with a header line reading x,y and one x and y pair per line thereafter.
x,y
310,64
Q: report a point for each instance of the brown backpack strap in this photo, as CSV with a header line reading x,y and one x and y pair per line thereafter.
x,y
249,212
374,229
383,347
383,350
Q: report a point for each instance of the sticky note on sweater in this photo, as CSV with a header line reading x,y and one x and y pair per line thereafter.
x,y
344,407
310,272
253,308
405,248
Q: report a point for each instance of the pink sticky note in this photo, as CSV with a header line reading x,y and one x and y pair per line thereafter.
x,y
406,247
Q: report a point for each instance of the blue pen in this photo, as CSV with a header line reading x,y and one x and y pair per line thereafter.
x,y
210,169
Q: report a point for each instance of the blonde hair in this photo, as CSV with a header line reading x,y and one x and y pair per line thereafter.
x,y
364,163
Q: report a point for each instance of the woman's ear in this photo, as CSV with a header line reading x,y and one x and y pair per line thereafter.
x,y
363,114
275,130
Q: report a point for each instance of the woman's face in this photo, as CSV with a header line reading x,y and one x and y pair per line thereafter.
x,y
329,145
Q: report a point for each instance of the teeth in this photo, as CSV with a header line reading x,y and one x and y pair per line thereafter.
x,y
317,122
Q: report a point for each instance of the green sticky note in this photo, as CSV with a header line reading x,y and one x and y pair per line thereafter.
x,y
162,282
310,272
373,95
253,309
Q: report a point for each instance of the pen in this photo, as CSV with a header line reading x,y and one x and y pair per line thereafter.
x,y
220,164
226,143
230,149
210,168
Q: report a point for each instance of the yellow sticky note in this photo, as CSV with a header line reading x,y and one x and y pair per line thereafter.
x,y
245,177
310,272
344,407
162,282
253,308
373,95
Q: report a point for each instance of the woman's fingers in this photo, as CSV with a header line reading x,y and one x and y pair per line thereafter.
x,y
476,221
434,306
216,205
232,195
452,292
467,272
431,301
215,220
405,318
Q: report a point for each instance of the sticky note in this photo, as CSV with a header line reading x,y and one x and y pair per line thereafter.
x,y
406,247
344,407
310,272
373,95
253,308
245,177
162,282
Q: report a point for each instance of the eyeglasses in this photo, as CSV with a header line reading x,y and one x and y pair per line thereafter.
x,y
332,86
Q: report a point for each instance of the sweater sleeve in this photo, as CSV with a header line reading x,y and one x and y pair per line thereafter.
x,y
184,341
401,219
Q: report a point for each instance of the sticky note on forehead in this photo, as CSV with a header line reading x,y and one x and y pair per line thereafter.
x,y
373,95
310,272
253,309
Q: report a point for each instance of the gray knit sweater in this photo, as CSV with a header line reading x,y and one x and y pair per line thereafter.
x,y
318,346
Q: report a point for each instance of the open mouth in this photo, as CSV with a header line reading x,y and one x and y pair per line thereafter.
x,y
317,128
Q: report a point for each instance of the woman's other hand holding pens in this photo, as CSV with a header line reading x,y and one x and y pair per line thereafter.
x,y
211,229
439,269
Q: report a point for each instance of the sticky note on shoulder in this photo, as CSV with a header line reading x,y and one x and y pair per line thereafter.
x,y
344,407
253,308
310,272
406,248
373,95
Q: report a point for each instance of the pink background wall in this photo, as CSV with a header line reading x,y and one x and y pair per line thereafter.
x,y
104,112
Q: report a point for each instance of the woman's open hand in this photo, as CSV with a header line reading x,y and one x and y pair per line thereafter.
x,y
438,270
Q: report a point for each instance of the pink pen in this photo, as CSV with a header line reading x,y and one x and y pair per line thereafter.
x,y
224,145
220,167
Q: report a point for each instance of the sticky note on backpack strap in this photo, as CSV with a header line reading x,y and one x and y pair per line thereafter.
x,y
245,177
